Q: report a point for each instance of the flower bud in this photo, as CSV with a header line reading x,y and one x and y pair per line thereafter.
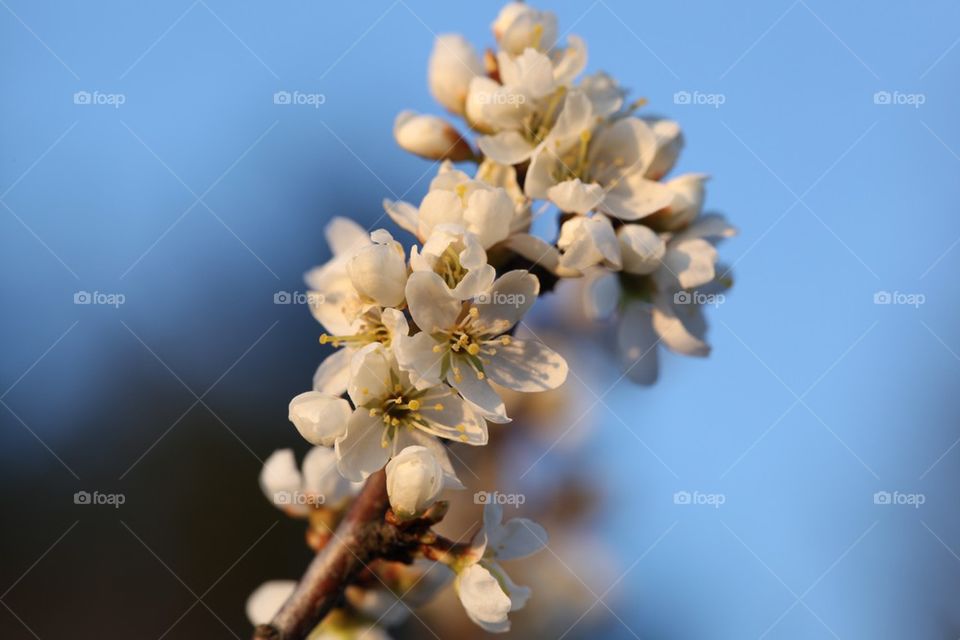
x,y
320,418
379,271
414,480
453,64
430,137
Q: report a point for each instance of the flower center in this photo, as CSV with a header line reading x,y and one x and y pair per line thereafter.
x,y
404,408
449,268
371,330
467,344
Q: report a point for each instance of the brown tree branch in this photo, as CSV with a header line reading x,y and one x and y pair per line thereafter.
x,y
359,538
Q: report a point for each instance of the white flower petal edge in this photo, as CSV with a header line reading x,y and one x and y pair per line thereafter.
x,y
266,600
483,599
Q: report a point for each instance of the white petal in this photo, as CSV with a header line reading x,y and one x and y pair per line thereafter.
x,y
641,249
586,242
479,95
333,374
478,392
280,476
345,236
516,538
507,301
571,62
691,262
601,293
416,356
536,250
605,94
403,213
483,599
530,72
266,600
370,374
454,419
688,194
320,418
359,450
712,227
636,197
573,196
669,144
625,147
438,207
576,117
540,173
506,147
451,481
321,477
681,327
637,343
518,594
488,214
433,307
527,365
453,64
380,272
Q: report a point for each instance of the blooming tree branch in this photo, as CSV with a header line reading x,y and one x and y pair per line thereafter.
x,y
427,340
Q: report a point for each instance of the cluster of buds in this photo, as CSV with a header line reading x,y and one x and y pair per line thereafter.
x,y
429,340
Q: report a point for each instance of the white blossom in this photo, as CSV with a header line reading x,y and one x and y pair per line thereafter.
x,y
454,198
663,309
604,168
320,484
466,344
484,588
457,256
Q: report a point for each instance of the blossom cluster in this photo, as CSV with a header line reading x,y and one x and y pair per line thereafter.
x,y
428,339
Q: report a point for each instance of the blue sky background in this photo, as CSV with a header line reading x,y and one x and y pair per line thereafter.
x,y
198,198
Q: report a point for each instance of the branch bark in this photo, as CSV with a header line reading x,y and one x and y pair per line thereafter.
x,y
359,538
